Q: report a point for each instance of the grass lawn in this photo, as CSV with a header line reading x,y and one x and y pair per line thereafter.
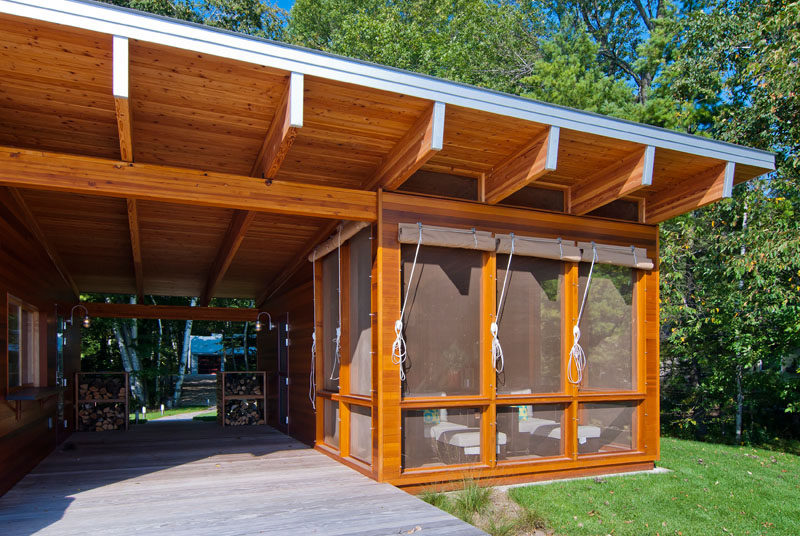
x,y
210,416
712,489
153,414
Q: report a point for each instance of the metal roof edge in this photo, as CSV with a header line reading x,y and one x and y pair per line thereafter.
x,y
115,20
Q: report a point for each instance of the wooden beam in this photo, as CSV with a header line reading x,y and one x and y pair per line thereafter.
x,y
230,245
136,248
420,143
622,178
712,185
169,312
282,131
36,230
296,263
98,176
121,90
532,162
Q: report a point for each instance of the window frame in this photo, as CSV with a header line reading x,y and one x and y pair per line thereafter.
x,y
31,338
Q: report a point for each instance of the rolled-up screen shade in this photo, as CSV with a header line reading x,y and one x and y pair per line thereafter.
x,y
617,255
349,230
409,233
545,248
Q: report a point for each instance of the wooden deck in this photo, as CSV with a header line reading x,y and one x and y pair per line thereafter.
x,y
195,478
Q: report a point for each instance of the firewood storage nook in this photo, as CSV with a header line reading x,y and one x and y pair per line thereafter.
x,y
371,212
241,398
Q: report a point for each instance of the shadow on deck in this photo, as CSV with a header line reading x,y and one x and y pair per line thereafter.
x,y
195,478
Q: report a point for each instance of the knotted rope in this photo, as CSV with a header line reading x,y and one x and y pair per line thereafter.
x,y
577,357
399,353
498,360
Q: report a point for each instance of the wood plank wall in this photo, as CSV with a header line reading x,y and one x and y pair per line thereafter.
x,y
28,274
297,303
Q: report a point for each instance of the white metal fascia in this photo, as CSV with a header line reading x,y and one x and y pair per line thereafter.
x,y
104,18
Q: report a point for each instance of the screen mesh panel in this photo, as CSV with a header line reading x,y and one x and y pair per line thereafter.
x,y
607,334
442,321
606,427
360,319
530,325
441,436
361,433
530,431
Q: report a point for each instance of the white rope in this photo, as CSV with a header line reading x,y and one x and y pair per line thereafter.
x,y
577,356
312,380
399,354
497,350
337,341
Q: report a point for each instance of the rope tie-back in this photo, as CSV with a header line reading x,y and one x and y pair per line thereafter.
x,y
498,360
337,352
312,380
633,250
560,248
577,356
399,353
475,237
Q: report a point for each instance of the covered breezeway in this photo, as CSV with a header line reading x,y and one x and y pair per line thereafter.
x,y
184,477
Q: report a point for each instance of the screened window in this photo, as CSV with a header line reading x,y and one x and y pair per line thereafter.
x,y
605,427
607,334
441,436
360,308
23,353
330,418
361,433
530,431
330,321
530,325
442,321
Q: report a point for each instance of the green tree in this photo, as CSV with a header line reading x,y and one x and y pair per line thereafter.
x,y
471,41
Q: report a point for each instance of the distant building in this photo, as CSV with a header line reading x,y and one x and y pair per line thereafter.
x,y
208,354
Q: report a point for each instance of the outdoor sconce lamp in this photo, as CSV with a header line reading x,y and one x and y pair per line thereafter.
x,y
260,325
86,320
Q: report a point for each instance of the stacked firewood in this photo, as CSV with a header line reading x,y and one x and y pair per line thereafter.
x,y
105,387
101,417
244,412
243,384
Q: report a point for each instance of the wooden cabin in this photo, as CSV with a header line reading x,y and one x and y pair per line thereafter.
x,y
145,156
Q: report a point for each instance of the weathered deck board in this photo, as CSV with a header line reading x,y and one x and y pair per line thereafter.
x,y
192,478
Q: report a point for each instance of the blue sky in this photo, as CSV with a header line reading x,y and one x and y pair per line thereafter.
x,y
285,4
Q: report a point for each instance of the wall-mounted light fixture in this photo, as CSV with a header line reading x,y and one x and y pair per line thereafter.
x,y
260,325
86,320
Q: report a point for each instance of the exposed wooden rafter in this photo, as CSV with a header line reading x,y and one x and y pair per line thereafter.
x,y
136,248
112,178
121,89
298,262
532,162
622,178
419,144
36,230
282,131
712,185
169,312
230,245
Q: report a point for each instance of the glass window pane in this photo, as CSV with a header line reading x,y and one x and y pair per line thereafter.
x,y
530,431
330,419
330,320
442,436
530,325
605,427
361,433
607,327
14,318
28,363
442,321
360,308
